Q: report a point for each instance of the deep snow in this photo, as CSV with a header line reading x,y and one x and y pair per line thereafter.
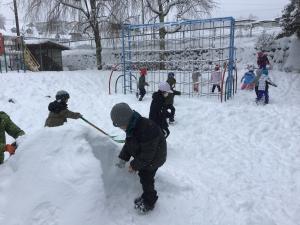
x,y
230,163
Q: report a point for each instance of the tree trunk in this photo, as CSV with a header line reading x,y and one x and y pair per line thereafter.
x,y
95,25
162,35
16,18
98,46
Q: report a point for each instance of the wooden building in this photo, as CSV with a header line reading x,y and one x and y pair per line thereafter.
x,y
47,53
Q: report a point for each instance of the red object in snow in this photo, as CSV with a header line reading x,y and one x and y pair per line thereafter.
x,y
1,44
143,71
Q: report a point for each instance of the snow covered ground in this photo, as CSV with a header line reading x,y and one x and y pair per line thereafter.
x,y
232,163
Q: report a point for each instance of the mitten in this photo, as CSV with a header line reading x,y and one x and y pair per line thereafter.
x,y
10,148
121,163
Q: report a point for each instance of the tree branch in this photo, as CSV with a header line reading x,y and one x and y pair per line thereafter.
x,y
173,31
74,7
69,5
152,8
88,15
171,5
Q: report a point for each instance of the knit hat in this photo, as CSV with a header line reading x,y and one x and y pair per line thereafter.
x,y
250,67
260,54
121,114
258,72
143,71
171,74
62,95
164,87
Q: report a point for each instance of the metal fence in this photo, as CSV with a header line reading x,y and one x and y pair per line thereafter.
x,y
184,48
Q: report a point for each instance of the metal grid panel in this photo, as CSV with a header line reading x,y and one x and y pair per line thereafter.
x,y
187,46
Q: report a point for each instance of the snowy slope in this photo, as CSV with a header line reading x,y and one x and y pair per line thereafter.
x,y
292,63
231,163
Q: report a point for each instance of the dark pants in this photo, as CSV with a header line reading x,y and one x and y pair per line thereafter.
x,y
256,91
263,67
147,180
172,114
142,92
261,94
214,86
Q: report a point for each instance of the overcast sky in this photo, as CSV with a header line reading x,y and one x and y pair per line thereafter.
x,y
263,9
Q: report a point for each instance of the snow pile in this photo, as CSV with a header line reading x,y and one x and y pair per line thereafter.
x,y
59,176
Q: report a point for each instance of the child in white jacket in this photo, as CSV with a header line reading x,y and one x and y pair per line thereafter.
x,y
263,86
216,77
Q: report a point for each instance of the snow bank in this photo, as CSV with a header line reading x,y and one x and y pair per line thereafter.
x,y
293,60
60,176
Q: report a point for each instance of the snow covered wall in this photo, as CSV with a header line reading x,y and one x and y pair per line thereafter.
x,y
79,59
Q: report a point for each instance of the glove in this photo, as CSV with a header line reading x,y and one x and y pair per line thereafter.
x,y
130,169
78,115
176,92
166,132
14,144
10,148
121,163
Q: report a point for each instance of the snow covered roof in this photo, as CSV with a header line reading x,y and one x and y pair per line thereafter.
x,y
46,42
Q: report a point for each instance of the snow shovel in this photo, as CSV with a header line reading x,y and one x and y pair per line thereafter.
x,y
103,132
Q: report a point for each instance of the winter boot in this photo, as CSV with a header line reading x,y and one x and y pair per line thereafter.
x,y
137,202
143,207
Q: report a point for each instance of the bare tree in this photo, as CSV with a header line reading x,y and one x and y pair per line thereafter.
x,y
2,22
93,12
162,8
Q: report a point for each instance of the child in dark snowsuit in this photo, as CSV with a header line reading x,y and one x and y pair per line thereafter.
x,y
170,98
158,112
142,83
146,145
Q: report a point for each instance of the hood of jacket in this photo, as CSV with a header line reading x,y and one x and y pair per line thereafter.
x,y
132,123
57,107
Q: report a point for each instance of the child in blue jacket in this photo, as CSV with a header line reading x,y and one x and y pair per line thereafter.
x,y
248,79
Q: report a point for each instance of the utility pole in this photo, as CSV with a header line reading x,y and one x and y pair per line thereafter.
x,y
16,18
143,15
